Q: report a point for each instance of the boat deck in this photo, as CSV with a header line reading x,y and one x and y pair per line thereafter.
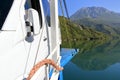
x,y
67,55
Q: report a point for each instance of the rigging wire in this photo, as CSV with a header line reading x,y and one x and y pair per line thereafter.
x,y
48,43
60,1
66,29
67,13
65,5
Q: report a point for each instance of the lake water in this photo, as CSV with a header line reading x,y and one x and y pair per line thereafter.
x,y
95,61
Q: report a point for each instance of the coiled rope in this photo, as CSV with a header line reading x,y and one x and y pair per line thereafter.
x,y
42,63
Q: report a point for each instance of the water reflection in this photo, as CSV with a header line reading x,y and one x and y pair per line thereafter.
x,y
98,57
73,72
96,61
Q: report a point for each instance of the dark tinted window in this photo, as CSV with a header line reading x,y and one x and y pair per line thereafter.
x,y
5,6
46,7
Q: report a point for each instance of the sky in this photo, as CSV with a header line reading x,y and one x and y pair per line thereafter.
x,y
74,5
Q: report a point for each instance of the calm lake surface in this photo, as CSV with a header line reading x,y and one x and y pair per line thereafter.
x,y
95,61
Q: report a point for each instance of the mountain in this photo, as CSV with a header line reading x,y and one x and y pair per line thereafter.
x,y
72,32
97,13
98,18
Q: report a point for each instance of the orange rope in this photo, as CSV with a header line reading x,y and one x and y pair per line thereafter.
x,y
40,64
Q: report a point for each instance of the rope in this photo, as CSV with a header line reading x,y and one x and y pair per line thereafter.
x,y
40,64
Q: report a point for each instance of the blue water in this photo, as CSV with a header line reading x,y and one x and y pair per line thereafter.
x,y
101,62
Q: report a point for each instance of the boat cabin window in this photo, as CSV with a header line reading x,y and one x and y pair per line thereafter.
x,y
5,6
46,7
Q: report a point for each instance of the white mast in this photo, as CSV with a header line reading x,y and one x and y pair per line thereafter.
x,y
55,34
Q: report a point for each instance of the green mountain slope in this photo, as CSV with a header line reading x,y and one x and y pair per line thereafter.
x,y
73,32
